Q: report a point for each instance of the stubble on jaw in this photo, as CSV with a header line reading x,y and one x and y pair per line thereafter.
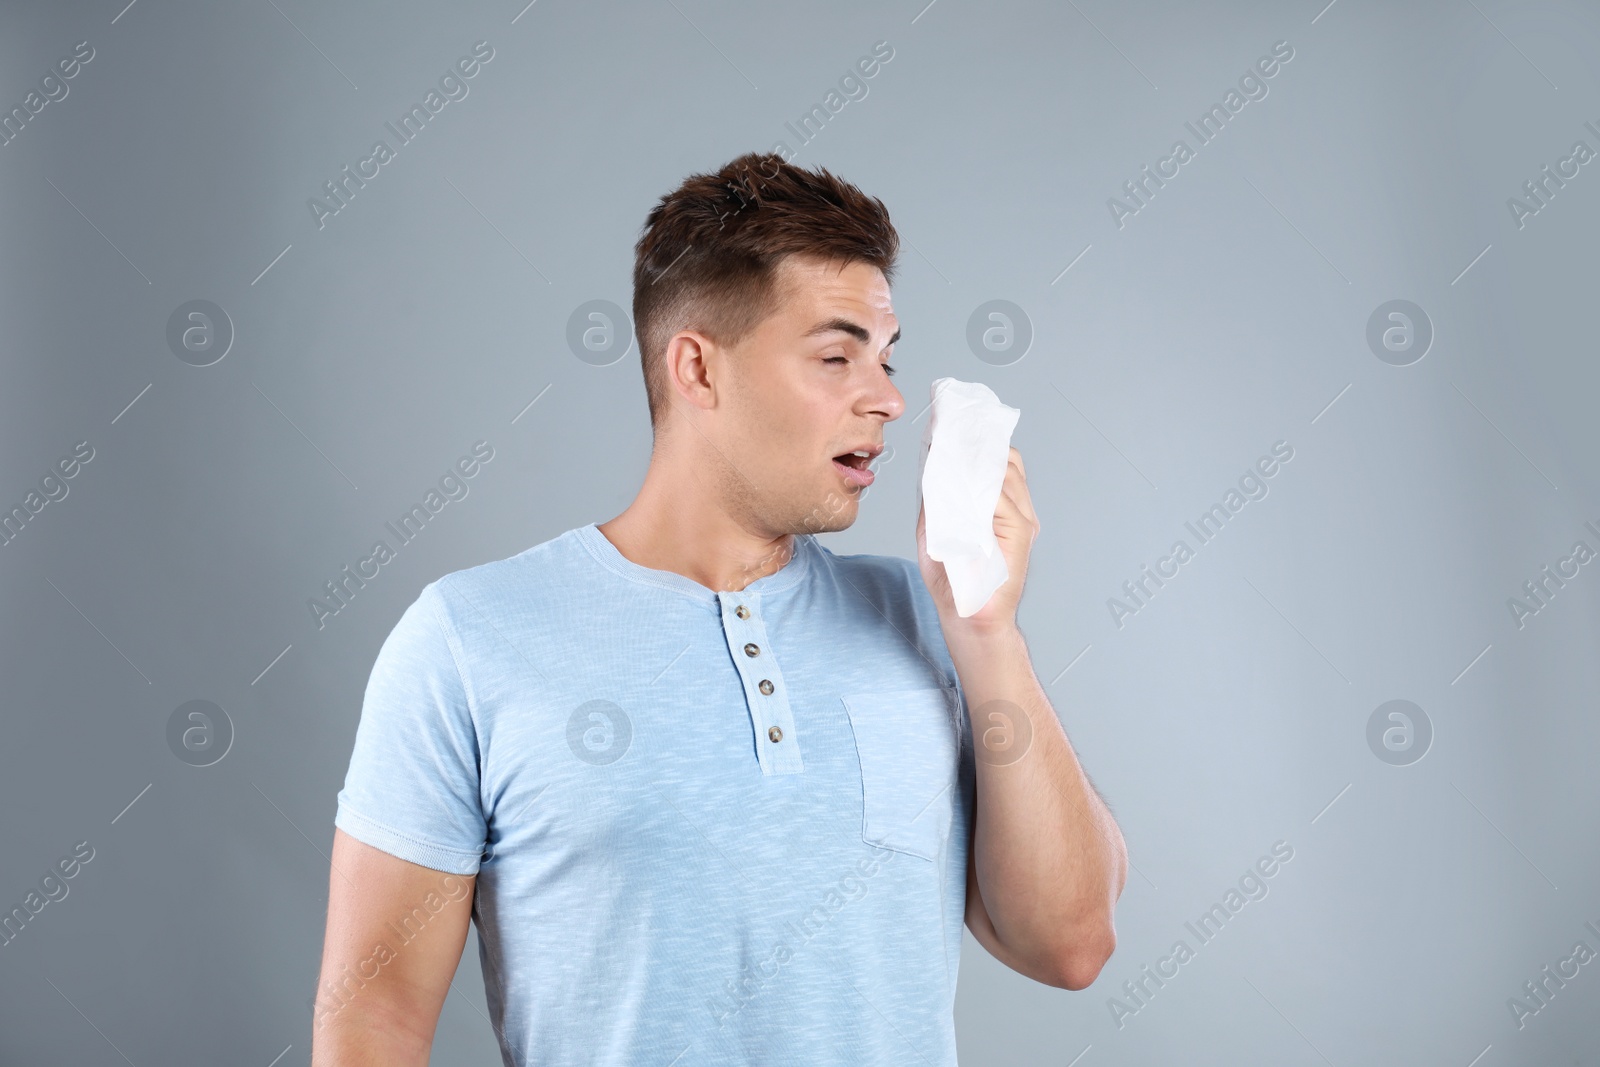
x,y
742,503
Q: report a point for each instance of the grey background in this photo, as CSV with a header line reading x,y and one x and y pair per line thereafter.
x,y
1226,315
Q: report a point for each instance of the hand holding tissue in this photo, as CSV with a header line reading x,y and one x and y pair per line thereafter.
x,y
965,449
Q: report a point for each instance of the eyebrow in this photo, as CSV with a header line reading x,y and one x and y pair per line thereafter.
x,y
846,326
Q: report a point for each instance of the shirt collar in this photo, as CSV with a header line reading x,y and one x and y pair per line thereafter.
x,y
606,554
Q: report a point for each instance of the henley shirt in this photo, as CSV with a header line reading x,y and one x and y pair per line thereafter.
x,y
708,828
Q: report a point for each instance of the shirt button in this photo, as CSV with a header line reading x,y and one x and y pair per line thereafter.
x,y
775,734
766,687
742,611
752,650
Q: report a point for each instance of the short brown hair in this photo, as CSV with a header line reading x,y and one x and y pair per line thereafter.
x,y
707,258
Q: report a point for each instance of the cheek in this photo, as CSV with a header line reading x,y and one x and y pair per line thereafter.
x,y
791,425
786,423
770,452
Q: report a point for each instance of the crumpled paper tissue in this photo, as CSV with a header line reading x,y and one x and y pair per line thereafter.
x,y
965,448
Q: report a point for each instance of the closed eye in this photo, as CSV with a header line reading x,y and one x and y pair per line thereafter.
x,y
843,359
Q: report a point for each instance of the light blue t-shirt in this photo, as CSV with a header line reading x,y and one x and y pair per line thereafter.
x,y
709,828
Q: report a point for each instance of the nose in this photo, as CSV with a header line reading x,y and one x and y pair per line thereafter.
x,y
888,401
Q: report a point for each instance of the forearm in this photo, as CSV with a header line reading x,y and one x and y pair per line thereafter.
x,y
356,1040
1050,861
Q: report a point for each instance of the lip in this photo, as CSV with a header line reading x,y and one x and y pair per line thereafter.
x,y
863,476
858,478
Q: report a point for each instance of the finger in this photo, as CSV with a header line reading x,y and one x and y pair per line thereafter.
x,y
1016,486
1009,510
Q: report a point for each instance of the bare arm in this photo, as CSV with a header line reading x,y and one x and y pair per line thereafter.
x,y
394,939
1047,862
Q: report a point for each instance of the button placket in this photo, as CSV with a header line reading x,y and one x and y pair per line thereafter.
x,y
778,747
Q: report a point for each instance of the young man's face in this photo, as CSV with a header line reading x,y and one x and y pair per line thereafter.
x,y
808,385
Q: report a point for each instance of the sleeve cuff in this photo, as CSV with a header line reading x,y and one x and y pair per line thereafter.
x,y
406,847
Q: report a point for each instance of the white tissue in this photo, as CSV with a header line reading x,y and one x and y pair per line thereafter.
x,y
965,449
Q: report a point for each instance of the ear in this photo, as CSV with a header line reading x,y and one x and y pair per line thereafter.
x,y
694,365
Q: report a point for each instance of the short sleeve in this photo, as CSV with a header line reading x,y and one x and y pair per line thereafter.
x,y
411,789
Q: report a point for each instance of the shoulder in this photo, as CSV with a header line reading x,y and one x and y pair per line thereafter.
x,y
514,585
890,590
881,575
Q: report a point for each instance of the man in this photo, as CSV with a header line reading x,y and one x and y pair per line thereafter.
x,y
711,792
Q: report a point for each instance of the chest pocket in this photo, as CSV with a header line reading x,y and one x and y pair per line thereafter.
x,y
908,743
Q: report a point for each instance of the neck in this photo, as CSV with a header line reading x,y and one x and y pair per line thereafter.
x,y
679,523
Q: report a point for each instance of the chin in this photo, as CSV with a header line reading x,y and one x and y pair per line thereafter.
x,y
835,513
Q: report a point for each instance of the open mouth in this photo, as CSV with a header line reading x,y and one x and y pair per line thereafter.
x,y
858,460
854,467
